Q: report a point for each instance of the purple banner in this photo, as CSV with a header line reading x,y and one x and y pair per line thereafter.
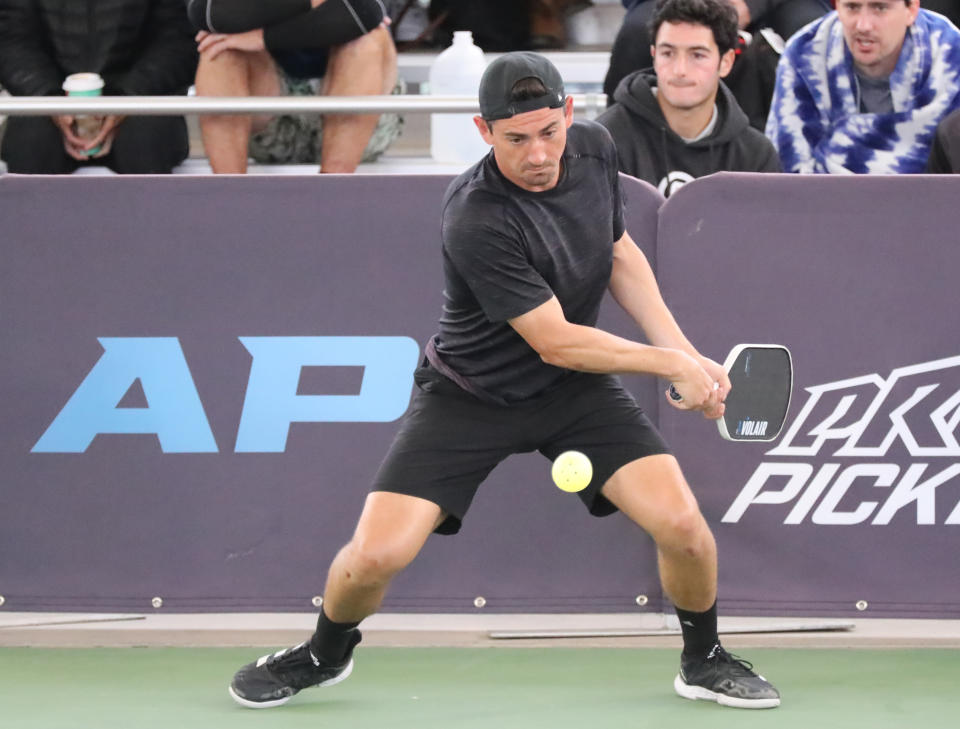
x,y
854,509
200,377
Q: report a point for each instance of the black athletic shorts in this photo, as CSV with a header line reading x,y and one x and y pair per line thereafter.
x,y
450,440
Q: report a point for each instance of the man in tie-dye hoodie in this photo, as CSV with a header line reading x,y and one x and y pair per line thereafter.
x,y
862,89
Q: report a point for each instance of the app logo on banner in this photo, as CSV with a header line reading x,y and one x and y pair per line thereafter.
x,y
175,413
865,449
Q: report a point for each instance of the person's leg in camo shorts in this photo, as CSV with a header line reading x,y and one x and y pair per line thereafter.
x,y
234,73
367,65
339,142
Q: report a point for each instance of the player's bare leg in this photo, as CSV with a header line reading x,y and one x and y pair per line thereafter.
x,y
234,73
391,531
654,494
365,66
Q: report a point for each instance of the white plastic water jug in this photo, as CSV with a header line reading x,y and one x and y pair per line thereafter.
x,y
456,72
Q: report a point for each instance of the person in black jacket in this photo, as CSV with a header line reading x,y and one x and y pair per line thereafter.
x,y
948,8
678,121
139,47
945,150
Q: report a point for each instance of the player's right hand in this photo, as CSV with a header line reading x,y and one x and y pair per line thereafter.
x,y
697,389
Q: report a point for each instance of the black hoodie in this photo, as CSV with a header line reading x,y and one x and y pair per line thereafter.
x,y
650,150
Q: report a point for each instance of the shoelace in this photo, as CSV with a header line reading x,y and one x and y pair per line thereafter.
x,y
293,657
719,653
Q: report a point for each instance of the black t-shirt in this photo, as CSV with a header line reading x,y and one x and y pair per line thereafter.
x,y
507,250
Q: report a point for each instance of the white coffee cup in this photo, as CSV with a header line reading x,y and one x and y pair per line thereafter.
x,y
85,84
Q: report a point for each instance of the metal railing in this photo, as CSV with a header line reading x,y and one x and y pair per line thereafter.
x,y
587,104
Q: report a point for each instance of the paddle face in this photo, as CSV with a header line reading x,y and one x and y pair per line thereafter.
x,y
762,380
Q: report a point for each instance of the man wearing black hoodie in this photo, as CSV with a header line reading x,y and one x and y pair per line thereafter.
x,y
678,121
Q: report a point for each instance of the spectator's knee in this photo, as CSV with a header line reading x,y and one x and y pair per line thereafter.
x,y
374,52
214,73
375,44
149,145
34,145
33,131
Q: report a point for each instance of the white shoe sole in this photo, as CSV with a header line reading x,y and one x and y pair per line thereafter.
x,y
342,676
695,693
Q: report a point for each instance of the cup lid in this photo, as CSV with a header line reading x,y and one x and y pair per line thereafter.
x,y
79,82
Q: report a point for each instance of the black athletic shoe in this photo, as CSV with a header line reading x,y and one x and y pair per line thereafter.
x,y
275,678
726,679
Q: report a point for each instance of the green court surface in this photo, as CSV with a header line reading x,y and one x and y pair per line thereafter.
x,y
470,688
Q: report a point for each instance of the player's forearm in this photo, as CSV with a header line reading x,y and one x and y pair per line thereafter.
x,y
635,289
588,349
654,318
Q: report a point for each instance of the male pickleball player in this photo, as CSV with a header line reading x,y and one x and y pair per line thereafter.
x,y
533,235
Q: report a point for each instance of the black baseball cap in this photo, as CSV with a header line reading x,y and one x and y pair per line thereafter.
x,y
501,75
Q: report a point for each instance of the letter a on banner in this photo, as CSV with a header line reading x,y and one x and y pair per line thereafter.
x,y
174,412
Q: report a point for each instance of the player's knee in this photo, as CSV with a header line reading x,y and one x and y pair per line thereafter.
x,y
373,562
685,532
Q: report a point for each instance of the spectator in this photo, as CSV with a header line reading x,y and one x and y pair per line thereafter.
x,y
285,47
631,48
679,121
863,89
137,46
945,152
948,8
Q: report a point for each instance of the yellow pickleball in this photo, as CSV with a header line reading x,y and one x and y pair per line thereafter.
x,y
572,471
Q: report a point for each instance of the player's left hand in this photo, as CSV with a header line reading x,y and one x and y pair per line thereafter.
x,y
714,407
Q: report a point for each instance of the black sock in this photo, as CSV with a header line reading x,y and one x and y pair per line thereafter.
x,y
331,640
699,631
